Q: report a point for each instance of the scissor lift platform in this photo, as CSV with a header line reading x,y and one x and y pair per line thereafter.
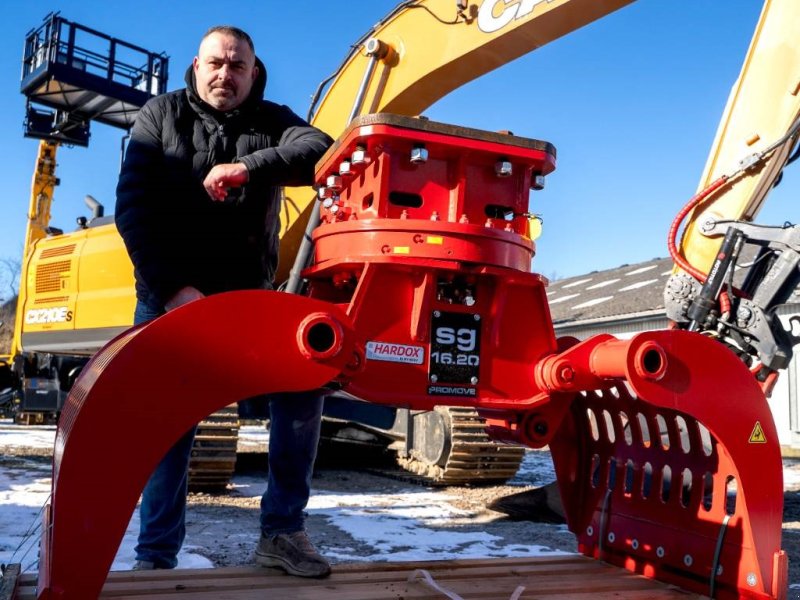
x,y
85,75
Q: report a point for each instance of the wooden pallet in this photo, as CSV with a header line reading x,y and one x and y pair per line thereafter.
x,y
550,578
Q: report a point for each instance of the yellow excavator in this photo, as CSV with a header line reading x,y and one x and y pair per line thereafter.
x,y
76,289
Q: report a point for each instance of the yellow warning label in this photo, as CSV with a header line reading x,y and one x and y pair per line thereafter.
x,y
401,249
435,239
758,437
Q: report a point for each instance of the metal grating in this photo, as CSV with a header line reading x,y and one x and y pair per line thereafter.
x,y
58,251
49,277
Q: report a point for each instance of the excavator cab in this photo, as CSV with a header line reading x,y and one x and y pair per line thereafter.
x,y
664,447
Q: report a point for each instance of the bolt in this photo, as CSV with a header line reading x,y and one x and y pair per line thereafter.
x,y
537,182
635,544
345,169
611,537
419,155
334,182
503,168
590,530
566,374
752,580
437,314
707,225
434,378
687,560
359,156
660,552
476,317
473,380
327,203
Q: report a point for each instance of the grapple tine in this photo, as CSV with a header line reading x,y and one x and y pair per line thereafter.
x,y
305,347
674,472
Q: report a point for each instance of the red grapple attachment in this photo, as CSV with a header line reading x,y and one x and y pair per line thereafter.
x,y
423,236
664,446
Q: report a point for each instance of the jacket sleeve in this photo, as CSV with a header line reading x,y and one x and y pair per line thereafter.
x,y
141,215
292,161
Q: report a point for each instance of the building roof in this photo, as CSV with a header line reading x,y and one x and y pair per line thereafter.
x,y
628,290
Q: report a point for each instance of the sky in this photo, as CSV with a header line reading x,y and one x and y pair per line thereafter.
x,y
631,103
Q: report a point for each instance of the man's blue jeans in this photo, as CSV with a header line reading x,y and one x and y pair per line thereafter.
x,y
294,434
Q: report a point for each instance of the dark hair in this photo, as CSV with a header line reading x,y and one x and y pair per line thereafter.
x,y
239,34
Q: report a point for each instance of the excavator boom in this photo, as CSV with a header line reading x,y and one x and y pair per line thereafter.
x,y
764,104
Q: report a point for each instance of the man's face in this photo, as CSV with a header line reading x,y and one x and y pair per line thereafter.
x,y
224,71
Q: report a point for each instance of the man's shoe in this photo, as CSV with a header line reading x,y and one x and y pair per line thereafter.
x,y
144,565
292,552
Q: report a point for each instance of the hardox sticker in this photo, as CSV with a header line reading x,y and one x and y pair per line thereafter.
x,y
402,353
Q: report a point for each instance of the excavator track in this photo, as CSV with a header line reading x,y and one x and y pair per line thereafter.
x,y
213,458
450,447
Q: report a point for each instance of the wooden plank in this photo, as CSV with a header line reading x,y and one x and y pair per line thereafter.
x,y
547,578
8,585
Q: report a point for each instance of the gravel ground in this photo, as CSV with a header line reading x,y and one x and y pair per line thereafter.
x,y
240,510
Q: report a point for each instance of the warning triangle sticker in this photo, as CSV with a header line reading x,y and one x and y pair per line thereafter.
x,y
758,437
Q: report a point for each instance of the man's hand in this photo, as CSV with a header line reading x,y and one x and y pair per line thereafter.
x,y
183,296
223,177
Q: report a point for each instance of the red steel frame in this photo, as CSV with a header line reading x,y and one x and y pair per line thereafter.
x,y
421,294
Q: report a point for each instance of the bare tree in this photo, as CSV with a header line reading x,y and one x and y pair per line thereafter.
x,y
10,269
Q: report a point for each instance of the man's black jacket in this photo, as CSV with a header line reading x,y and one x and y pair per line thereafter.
x,y
175,234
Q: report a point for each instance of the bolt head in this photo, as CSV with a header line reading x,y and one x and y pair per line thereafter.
x,y
434,379
359,157
334,182
503,168
473,380
345,168
537,182
419,155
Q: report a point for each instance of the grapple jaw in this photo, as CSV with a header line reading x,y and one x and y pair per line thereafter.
x,y
669,465
145,389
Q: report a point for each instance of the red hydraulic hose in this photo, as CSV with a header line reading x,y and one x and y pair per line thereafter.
x,y
672,237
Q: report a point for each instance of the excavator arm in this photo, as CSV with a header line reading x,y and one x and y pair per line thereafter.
x,y
763,106
731,275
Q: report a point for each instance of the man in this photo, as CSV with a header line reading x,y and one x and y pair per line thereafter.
x,y
197,207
